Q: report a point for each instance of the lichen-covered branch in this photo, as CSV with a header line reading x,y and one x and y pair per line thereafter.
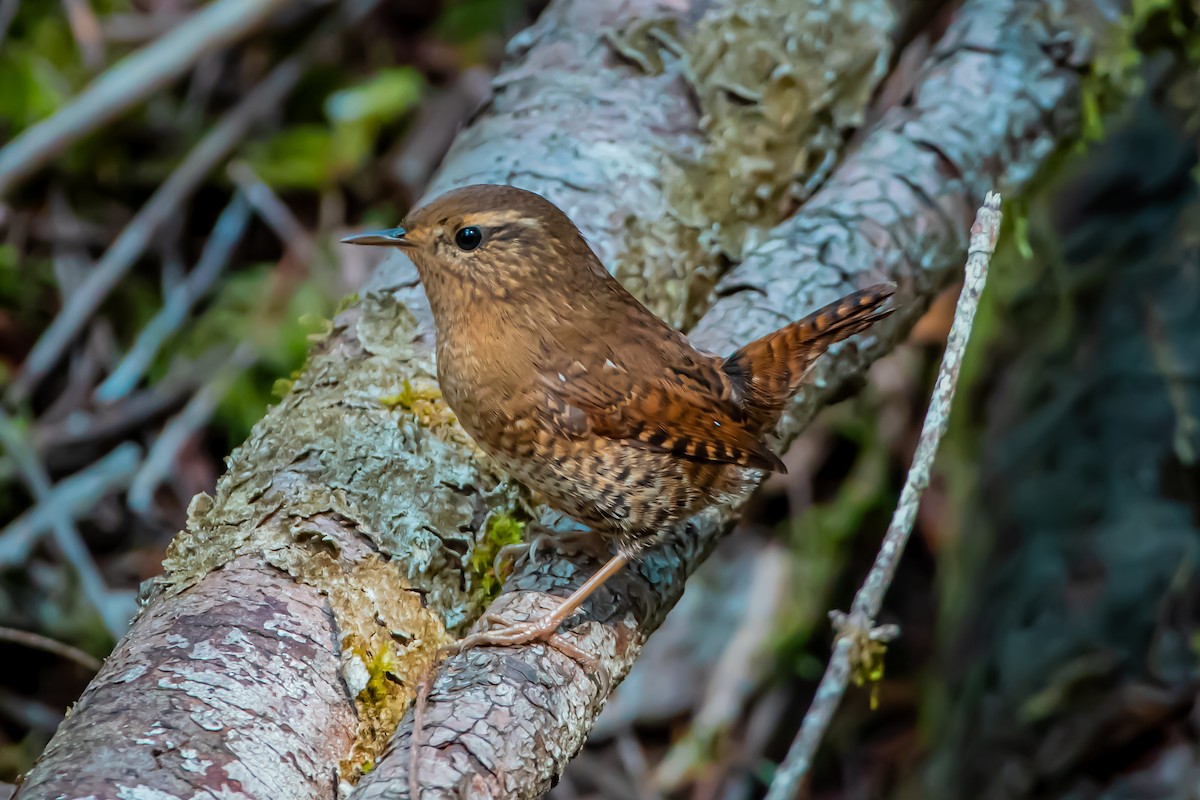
x,y
305,601
504,722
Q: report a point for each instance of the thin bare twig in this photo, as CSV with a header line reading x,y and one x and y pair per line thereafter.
x,y
857,633
71,497
217,252
175,433
53,646
266,203
130,81
162,206
60,441
273,211
115,613
86,30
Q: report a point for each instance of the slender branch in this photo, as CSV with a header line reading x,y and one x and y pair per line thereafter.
x,y
111,609
86,30
175,433
856,631
274,212
38,642
217,251
72,496
130,81
62,439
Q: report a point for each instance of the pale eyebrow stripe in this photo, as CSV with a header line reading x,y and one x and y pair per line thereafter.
x,y
491,219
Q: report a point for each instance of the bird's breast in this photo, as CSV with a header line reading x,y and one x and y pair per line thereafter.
x,y
491,385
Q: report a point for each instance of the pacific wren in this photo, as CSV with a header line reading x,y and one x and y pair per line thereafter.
x,y
579,391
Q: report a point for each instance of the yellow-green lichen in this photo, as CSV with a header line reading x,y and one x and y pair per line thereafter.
x,y
647,42
387,636
424,402
282,386
868,669
345,303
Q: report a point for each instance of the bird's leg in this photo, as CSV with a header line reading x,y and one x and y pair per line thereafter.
x,y
565,542
543,629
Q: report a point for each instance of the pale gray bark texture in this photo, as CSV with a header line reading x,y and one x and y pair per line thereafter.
x,y
303,603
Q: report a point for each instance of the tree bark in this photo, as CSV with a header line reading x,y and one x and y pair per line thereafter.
x,y
303,603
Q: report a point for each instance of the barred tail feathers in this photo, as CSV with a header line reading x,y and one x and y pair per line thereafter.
x,y
771,370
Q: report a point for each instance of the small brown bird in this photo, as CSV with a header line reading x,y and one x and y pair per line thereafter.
x,y
579,391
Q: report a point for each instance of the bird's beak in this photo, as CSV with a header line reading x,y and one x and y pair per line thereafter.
x,y
393,238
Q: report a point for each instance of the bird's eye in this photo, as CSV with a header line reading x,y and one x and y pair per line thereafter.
x,y
468,238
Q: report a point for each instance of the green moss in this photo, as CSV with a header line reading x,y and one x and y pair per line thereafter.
x,y
424,403
346,302
502,530
282,386
404,399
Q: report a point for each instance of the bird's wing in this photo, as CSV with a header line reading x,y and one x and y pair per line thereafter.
x,y
681,407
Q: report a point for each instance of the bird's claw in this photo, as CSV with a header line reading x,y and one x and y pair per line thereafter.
x,y
515,634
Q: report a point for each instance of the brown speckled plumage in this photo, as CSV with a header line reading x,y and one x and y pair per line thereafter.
x,y
576,388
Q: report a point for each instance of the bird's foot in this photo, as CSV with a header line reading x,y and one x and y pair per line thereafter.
x,y
514,634
566,543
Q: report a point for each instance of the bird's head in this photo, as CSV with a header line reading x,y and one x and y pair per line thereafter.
x,y
500,241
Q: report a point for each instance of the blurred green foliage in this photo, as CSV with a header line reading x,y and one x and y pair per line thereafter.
x,y
336,123
316,156
39,65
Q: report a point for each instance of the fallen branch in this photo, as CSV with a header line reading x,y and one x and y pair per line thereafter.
x,y
859,642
